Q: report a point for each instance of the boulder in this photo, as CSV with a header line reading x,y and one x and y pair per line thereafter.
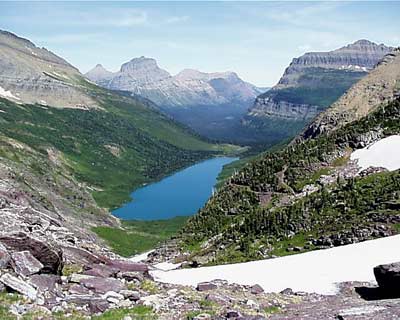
x,y
256,289
103,285
51,257
232,314
78,289
205,286
98,306
102,271
130,294
388,276
19,286
79,256
131,276
77,277
4,257
25,264
45,282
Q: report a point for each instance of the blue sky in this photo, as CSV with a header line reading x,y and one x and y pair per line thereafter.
x,y
255,39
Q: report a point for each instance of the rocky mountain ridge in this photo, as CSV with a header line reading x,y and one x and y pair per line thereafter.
x,y
315,80
188,88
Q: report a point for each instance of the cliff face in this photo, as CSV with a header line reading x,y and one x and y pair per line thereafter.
x,y
142,76
315,80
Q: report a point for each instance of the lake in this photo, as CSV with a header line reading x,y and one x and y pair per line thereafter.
x,y
181,194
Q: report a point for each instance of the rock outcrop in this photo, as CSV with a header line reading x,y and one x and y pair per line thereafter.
x,y
315,80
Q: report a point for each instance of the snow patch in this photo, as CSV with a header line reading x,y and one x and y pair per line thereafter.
x,y
316,271
140,257
7,94
166,266
383,153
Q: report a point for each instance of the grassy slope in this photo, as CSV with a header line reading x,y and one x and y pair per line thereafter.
x,y
139,236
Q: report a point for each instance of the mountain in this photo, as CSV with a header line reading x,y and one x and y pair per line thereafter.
x,y
212,104
112,142
313,193
310,84
188,88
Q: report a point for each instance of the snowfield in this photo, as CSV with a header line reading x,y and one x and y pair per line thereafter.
x,y
7,94
384,153
315,271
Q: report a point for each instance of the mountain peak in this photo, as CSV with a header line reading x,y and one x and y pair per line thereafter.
x,y
144,69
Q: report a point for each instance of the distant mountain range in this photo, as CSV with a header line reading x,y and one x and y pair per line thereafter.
x,y
142,76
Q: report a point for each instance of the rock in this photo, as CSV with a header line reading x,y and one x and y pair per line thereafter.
x,y
154,301
78,289
388,276
128,266
19,285
45,282
77,277
2,287
202,316
101,271
131,276
80,256
205,286
112,297
50,257
4,257
232,314
25,264
256,289
102,285
287,291
130,294
218,298
127,318
98,306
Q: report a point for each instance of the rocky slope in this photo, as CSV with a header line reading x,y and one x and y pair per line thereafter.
x,y
35,75
188,88
312,82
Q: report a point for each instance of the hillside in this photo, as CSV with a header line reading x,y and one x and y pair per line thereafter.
x,y
310,84
118,142
308,195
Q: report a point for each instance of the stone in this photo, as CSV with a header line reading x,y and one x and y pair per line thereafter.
x,y
128,266
205,286
45,282
78,289
256,289
287,291
112,297
102,285
5,257
25,264
388,276
232,314
50,256
131,276
80,256
130,294
103,271
77,277
19,285
98,306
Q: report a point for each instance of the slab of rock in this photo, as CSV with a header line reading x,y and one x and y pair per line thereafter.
x,y
25,264
98,306
130,294
131,276
45,282
4,257
103,285
51,257
78,289
256,289
128,266
80,256
77,277
19,285
103,271
388,276
205,286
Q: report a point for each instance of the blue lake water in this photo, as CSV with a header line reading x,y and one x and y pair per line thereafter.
x,y
180,194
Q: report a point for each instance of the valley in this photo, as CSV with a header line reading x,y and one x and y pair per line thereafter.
x,y
142,193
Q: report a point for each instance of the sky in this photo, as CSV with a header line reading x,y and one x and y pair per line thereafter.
x,y
257,40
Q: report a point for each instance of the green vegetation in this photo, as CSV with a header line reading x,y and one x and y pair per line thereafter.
x,y
137,313
114,149
318,87
139,236
248,228
271,310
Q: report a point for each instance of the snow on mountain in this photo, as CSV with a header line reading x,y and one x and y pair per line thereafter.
x,y
315,271
384,153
